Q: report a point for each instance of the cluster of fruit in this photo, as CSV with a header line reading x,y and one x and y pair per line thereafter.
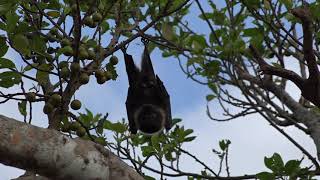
x,y
74,126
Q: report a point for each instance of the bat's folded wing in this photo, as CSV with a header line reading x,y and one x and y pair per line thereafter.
x,y
132,70
130,111
166,101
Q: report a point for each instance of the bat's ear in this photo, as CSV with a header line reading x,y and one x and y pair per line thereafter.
x,y
146,64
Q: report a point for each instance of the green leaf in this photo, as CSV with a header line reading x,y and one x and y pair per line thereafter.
x,y
219,18
292,167
274,163
187,132
21,43
9,78
104,27
147,151
176,121
198,60
209,97
38,44
22,106
199,42
3,46
6,63
189,139
53,14
101,140
168,156
265,176
222,145
267,4
212,68
278,160
155,142
100,125
167,31
148,177
28,67
12,20
213,87
250,32
117,127
6,5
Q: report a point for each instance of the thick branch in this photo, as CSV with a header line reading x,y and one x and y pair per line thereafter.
x,y
271,70
305,16
53,155
310,88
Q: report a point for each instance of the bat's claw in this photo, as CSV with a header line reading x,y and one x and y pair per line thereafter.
x,y
144,41
124,48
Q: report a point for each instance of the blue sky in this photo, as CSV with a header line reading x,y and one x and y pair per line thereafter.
x,y
252,138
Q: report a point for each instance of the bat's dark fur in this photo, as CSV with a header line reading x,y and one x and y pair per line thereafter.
x,y
148,103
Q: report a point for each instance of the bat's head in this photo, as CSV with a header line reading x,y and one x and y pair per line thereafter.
x,y
150,119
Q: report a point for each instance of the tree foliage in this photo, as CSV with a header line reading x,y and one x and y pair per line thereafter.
x,y
248,47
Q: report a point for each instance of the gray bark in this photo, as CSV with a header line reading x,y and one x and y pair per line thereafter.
x,y
51,154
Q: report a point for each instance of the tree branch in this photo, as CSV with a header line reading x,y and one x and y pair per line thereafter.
x,y
51,154
305,16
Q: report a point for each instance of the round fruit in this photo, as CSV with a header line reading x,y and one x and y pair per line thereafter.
x,y
68,51
47,108
93,25
51,38
59,36
91,55
99,73
83,54
75,67
55,99
101,80
84,78
63,64
64,73
40,60
65,127
31,96
108,75
287,53
75,126
49,58
65,42
114,60
97,17
88,21
81,132
51,50
75,104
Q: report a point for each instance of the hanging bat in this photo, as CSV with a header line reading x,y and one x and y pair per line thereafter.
x,y
148,102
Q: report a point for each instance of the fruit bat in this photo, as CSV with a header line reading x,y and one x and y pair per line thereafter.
x,y
148,102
